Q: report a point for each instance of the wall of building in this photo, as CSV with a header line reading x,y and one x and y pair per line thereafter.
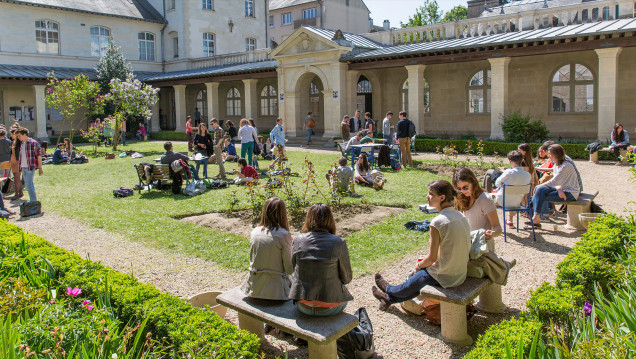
x,y
352,18
626,104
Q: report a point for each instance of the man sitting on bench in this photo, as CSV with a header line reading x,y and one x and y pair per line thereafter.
x,y
171,156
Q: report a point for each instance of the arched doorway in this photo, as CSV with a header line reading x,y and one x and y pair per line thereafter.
x,y
315,103
365,95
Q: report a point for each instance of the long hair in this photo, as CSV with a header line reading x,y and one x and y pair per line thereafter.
x,y
205,129
442,187
557,151
244,122
274,215
319,219
364,163
462,202
527,158
616,136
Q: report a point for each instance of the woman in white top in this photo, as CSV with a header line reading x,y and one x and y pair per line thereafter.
x,y
362,175
475,204
563,187
247,135
447,259
270,254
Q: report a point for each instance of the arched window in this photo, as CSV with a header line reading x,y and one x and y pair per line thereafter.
x,y
426,96
313,89
233,101
479,92
202,103
99,40
47,37
269,101
364,86
572,89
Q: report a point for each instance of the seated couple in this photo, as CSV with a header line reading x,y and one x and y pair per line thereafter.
x,y
311,269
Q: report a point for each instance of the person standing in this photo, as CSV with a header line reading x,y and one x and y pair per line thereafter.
x,y
5,152
189,129
218,146
123,134
355,124
15,162
386,128
309,126
345,129
247,135
29,160
232,131
404,129
197,116
369,124
277,136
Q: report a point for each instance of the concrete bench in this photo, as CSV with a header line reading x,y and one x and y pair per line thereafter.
x,y
582,205
594,156
320,332
453,303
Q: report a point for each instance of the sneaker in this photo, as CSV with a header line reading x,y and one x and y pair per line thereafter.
x,y
380,281
384,301
619,163
376,186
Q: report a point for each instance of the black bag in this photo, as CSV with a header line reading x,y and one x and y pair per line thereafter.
x,y
122,192
411,129
6,186
257,148
384,157
216,184
30,208
358,343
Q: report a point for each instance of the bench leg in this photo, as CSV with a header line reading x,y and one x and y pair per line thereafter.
x,y
490,300
454,324
573,215
251,325
323,350
624,157
594,157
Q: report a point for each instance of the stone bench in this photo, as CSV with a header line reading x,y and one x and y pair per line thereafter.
x,y
320,332
453,303
594,156
582,205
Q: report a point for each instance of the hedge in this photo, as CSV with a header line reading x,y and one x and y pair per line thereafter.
x,y
186,328
491,345
168,136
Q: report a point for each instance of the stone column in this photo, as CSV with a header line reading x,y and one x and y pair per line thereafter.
x,y
498,94
416,95
291,106
180,107
154,119
212,90
251,99
335,108
351,93
607,81
40,112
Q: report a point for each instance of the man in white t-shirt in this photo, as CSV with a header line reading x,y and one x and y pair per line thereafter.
x,y
515,175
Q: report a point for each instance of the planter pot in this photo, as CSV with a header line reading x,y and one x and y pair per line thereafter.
x,y
587,218
209,298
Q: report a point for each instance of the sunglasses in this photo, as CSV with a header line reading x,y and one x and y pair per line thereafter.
x,y
465,188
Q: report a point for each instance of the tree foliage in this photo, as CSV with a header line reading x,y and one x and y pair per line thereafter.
x,y
430,13
459,12
112,65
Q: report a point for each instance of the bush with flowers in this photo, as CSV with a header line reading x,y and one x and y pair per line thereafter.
x,y
95,133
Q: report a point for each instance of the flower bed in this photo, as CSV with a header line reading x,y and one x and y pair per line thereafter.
x,y
61,303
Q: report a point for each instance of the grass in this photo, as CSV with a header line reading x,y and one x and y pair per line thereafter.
x,y
84,193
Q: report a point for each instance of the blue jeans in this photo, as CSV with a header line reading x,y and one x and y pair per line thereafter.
x,y
123,138
195,172
411,288
205,167
247,151
2,202
544,195
388,139
28,183
309,133
323,312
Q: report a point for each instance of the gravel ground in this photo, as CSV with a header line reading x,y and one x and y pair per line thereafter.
x,y
397,335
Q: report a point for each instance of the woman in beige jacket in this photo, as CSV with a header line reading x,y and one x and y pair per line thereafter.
x,y
270,254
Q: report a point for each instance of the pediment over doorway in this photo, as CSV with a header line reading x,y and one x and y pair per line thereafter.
x,y
305,41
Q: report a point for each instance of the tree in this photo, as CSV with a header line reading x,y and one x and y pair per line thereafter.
x,y
112,65
459,12
427,14
129,98
75,98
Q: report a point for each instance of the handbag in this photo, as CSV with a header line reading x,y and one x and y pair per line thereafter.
x,y
358,342
110,156
257,148
6,186
30,208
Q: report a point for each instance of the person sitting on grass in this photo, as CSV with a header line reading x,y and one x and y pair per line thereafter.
x,y
368,138
445,262
247,175
364,176
171,156
515,175
44,146
342,179
230,150
59,155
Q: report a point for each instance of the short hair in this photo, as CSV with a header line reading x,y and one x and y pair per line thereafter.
x,y
442,187
259,138
188,117
342,161
22,131
3,131
346,116
44,144
214,120
546,145
227,137
389,113
403,113
309,113
558,152
360,134
167,146
274,215
367,114
59,144
242,162
319,219
279,119
515,157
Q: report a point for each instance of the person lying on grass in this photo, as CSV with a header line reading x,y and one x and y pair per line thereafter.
x,y
247,175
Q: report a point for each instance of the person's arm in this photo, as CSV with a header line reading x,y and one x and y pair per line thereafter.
x,y
344,264
433,249
286,253
496,230
626,140
501,180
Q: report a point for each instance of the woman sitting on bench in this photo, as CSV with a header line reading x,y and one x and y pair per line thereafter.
x,y
445,263
321,266
563,187
620,141
476,205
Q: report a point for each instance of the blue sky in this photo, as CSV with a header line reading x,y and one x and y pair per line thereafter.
x,y
400,10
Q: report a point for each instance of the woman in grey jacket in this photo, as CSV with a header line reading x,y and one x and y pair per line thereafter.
x,y
270,254
321,266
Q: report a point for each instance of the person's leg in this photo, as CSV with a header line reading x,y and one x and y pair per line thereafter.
x,y
255,161
28,183
411,288
243,149
17,181
250,151
123,138
388,139
218,153
408,151
190,141
402,142
309,135
205,168
195,172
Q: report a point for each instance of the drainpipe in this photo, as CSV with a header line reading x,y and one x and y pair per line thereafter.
x,y
321,14
165,23
267,44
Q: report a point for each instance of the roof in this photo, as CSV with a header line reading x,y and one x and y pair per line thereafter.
x,y
526,5
131,9
595,28
280,4
41,72
225,70
356,40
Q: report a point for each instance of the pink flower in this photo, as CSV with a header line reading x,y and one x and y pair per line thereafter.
x,y
52,301
87,304
73,292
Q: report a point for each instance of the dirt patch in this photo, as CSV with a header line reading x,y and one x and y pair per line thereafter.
x,y
349,219
449,171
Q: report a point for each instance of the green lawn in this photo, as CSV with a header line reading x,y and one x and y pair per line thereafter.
x,y
84,192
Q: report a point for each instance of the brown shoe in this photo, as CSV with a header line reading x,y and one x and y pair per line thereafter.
x,y
380,282
384,301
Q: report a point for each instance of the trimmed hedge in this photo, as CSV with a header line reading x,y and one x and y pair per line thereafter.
x,y
491,345
168,136
549,303
186,328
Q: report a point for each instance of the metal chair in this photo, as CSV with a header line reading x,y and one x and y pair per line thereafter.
x,y
517,190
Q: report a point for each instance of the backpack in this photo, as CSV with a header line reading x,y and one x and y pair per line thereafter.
x,y
395,164
311,123
411,129
358,342
8,186
122,192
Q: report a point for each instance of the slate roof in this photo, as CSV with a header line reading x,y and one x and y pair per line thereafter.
x,y
41,72
526,5
225,70
595,28
131,9
280,4
358,41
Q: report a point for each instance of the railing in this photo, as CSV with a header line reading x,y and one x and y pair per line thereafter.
x,y
309,22
229,59
498,23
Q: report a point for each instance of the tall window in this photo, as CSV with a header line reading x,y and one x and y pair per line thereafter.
x,y
479,92
271,20
208,44
233,102
426,96
202,103
269,101
287,18
313,89
47,37
146,46
170,5
99,40
175,46
250,44
572,89
208,4
249,8
309,13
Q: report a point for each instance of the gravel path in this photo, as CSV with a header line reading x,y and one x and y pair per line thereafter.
x,y
397,335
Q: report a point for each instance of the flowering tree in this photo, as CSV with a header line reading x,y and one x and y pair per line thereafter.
x,y
130,98
75,98
95,132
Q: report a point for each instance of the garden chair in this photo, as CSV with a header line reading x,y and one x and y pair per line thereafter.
x,y
517,190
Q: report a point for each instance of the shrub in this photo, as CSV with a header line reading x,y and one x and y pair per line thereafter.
x,y
519,128
490,345
553,304
168,136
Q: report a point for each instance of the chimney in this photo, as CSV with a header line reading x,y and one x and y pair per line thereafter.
x,y
370,23
386,25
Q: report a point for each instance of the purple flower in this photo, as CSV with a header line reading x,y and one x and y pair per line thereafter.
x,y
73,292
587,309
